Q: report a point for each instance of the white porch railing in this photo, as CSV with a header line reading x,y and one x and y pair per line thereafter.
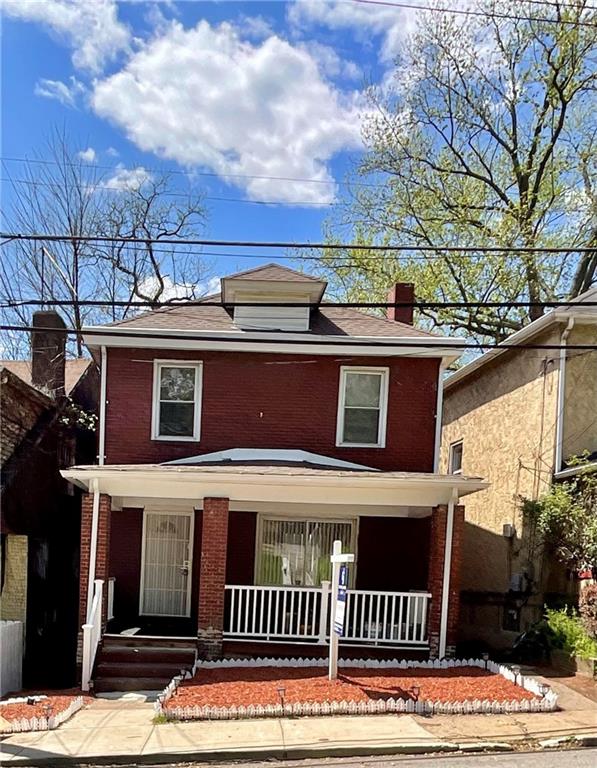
x,y
110,614
92,632
301,614
276,613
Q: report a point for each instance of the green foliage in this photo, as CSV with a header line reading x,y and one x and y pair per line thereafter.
x,y
566,517
588,609
483,137
566,632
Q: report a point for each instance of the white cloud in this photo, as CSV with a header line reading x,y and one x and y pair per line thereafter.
x,y
150,287
88,155
127,178
204,97
393,24
91,27
254,27
330,62
56,89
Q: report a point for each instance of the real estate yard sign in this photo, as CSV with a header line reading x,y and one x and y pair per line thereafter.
x,y
338,606
341,601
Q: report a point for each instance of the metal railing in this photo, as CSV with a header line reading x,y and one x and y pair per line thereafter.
x,y
92,632
301,614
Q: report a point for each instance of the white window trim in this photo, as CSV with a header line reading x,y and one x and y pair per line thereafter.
x,y
354,523
383,405
155,408
451,456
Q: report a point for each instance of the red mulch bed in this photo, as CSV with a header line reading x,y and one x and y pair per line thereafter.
x,y
59,701
259,686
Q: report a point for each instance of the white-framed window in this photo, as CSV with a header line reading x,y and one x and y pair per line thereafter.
x,y
176,412
296,553
455,458
362,407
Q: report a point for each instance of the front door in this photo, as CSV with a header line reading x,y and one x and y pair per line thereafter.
x,y
166,563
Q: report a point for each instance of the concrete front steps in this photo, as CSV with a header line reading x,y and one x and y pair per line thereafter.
x,y
134,663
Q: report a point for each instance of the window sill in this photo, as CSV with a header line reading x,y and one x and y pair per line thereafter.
x,y
172,439
360,445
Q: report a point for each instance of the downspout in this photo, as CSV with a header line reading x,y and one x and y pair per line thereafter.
x,y
439,406
443,626
93,546
102,407
561,395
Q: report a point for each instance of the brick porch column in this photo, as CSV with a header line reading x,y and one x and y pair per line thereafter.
x,y
102,561
435,583
212,579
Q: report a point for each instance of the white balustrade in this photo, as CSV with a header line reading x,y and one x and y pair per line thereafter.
x,y
300,614
111,583
92,632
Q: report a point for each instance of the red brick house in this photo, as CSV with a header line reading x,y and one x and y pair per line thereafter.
x,y
236,443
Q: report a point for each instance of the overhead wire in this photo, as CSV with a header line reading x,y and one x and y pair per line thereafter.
x,y
36,237
422,342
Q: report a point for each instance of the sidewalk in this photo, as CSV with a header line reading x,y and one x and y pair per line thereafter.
x,y
111,731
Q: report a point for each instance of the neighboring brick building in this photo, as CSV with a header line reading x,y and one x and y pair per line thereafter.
x,y
40,400
238,441
516,417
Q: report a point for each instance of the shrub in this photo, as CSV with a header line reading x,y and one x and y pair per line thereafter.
x,y
588,609
567,632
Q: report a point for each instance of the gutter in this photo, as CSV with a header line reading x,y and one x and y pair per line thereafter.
x,y
561,395
443,625
439,407
102,409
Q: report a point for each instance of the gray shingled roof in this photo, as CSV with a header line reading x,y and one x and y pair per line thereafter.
x,y
326,321
275,273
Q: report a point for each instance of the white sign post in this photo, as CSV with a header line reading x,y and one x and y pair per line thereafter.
x,y
338,603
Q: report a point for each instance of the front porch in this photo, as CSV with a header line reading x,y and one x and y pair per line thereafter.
x,y
240,559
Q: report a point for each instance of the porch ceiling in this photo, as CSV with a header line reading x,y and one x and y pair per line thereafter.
x,y
273,484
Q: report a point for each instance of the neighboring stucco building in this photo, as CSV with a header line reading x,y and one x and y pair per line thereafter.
x,y
516,417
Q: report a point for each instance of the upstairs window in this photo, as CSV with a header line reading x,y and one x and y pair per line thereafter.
x,y
455,459
362,407
176,400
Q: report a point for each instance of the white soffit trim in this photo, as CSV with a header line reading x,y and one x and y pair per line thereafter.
x,y
356,487
240,455
254,341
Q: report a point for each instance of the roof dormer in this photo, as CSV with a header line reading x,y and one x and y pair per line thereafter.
x,y
272,284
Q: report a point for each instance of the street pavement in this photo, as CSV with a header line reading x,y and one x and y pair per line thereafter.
x,y
569,758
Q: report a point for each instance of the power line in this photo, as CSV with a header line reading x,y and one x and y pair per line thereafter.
x,y
182,303
338,264
216,198
472,12
244,200
421,343
290,245
179,171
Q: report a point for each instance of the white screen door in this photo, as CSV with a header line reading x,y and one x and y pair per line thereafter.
x,y
166,564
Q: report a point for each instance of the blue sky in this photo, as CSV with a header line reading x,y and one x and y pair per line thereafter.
x,y
249,88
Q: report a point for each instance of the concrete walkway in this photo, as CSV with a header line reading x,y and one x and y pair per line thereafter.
x,y
112,731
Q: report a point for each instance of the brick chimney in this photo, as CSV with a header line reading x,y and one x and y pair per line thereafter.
x,y
401,292
48,352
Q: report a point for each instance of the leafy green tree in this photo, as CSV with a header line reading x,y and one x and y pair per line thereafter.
x,y
566,517
485,136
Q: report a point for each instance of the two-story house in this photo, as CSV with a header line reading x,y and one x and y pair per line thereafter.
x,y
517,417
238,440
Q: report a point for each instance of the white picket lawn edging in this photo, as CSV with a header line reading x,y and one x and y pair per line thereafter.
x,y
547,703
41,723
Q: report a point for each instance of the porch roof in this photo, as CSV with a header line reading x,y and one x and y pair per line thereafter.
x,y
275,482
